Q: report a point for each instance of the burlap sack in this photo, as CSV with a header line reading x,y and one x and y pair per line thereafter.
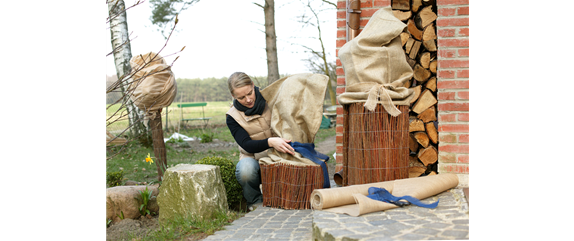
x,y
375,65
296,104
154,85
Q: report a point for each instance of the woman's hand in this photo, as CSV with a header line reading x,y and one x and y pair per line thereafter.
x,y
280,144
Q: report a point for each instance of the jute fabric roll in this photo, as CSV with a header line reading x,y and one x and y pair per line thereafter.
x,y
353,200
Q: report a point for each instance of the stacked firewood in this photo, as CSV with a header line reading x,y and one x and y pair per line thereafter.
x,y
419,43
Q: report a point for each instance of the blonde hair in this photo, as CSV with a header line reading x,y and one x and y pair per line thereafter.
x,y
238,80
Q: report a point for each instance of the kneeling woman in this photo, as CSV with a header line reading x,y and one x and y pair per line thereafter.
x,y
249,120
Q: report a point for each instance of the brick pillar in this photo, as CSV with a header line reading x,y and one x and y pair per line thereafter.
x,y
452,81
453,87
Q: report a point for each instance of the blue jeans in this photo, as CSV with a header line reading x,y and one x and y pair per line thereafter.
x,y
249,177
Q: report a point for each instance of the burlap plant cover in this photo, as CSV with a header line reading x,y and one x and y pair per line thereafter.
x,y
353,200
296,104
154,84
375,65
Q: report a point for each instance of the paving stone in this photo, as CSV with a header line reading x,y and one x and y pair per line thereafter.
x,y
234,239
425,214
226,232
249,230
259,237
437,225
402,217
303,230
454,233
456,216
256,223
308,236
324,214
328,225
461,227
284,230
349,225
417,221
216,237
291,224
412,236
382,222
265,230
426,231
355,237
375,217
272,225
436,238
460,221
386,233
380,239
398,226
365,229
233,227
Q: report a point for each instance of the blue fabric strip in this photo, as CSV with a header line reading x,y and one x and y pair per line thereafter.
x,y
381,194
307,150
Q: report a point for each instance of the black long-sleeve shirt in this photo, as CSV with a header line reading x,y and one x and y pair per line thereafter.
x,y
242,137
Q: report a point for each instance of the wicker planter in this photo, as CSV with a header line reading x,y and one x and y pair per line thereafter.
x,y
288,186
375,144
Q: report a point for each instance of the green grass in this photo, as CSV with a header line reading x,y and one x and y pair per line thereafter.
x,y
187,228
216,110
132,158
322,134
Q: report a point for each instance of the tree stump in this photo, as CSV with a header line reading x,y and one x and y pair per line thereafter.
x,y
191,190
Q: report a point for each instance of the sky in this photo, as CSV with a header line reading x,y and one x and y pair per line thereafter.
x,y
225,36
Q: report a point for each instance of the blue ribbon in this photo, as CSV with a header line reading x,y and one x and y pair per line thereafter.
x,y
381,194
307,150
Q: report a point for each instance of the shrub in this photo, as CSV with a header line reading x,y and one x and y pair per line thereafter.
x,y
205,138
114,178
227,169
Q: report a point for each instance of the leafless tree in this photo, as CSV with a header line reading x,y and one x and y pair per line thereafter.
x,y
270,41
318,58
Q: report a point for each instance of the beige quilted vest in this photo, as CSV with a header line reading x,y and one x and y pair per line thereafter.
x,y
257,126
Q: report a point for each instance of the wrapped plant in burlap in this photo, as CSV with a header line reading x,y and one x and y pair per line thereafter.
x,y
154,83
375,137
296,104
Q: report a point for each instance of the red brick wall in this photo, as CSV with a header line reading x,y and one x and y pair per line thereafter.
x,y
452,81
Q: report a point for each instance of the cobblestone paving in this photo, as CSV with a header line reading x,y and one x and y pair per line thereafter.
x,y
266,223
450,220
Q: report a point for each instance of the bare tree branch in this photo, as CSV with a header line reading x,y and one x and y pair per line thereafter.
x,y
329,2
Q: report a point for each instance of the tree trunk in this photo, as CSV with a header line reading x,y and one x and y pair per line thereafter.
x,y
271,42
158,146
122,56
